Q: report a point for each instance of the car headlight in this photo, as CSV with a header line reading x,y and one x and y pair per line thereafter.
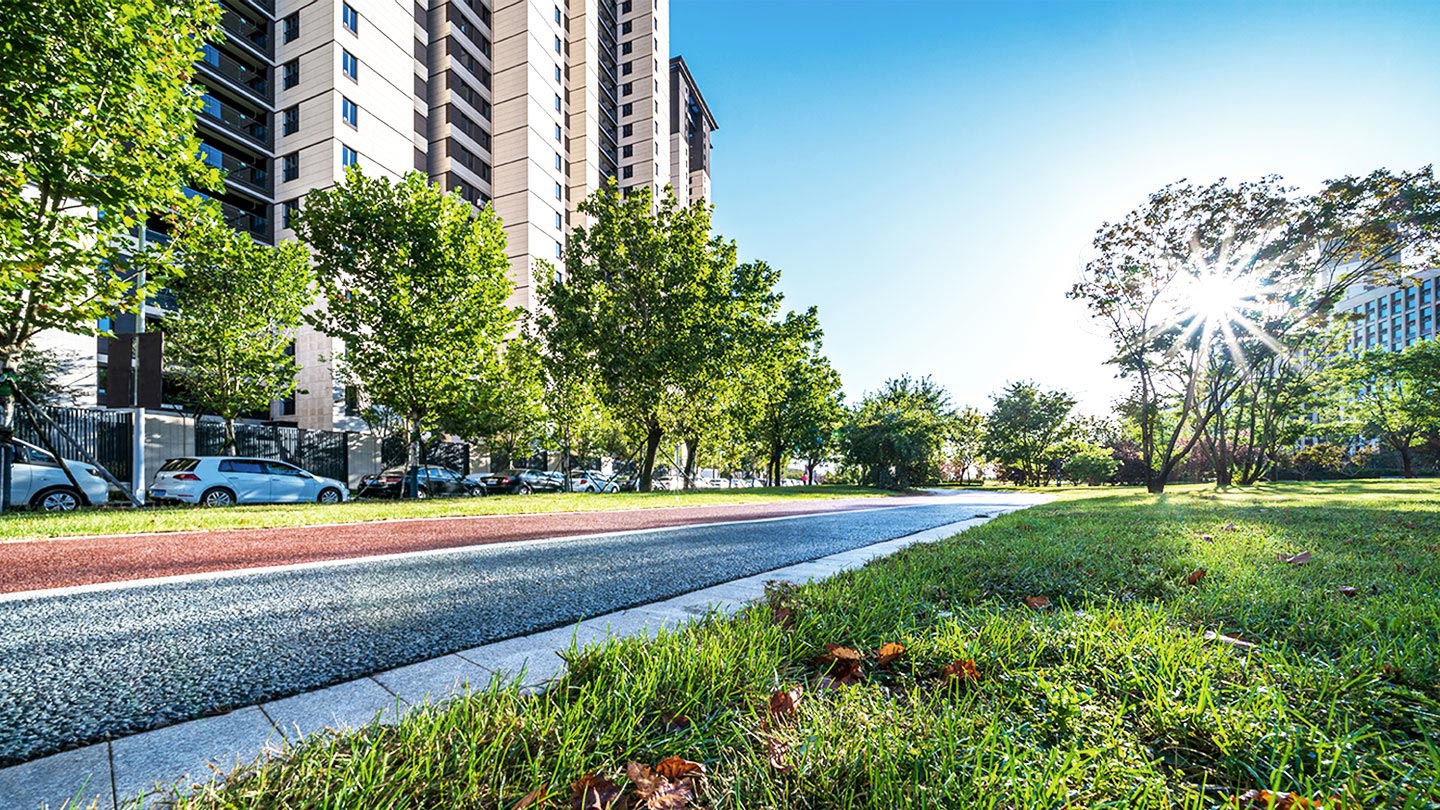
x,y
94,472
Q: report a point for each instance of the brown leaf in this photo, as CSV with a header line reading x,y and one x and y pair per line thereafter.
x,y
887,653
1037,602
1208,538
778,753
963,671
1294,559
1407,524
841,666
1280,800
1228,527
595,792
783,617
783,703
674,722
1195,577
1390,670
676,768
1349,590
670,796
1238,643
532,799
839,653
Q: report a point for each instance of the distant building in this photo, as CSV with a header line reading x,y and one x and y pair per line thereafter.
x,y
529,105
1393,317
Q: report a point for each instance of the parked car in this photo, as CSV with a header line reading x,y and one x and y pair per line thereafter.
x,y
38,481
519,482
428,481
592,481
230,480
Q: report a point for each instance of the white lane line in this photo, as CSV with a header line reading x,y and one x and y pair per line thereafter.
x,y
235,573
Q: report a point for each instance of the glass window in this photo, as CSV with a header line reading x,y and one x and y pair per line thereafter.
x,y
628,150
350,18
557,44
291,165
350,64
180,465
626,89
281,468
557,14
288,213
292,27
626,47
559,192
557,101
242,465
349,112
558,134
559,221
292,73
559,161
292,120
348,156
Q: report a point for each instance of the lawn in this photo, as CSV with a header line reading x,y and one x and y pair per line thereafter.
x,y
1132,688
24,525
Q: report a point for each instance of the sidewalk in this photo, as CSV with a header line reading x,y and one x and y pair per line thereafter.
x,y
124,773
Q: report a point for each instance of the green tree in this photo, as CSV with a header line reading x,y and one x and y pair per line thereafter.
x,y
640,280
1390,396
796,395
1091,465
1203,285
506,411
97,130
41,374
896,435
237,306
1025,427
414,282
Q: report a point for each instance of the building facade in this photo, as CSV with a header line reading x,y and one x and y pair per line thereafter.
x,y
1393,317
526,105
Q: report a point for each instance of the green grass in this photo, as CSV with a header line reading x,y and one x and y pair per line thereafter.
x,y
1111,698
24,525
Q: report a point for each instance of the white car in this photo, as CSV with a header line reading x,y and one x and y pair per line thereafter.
x,y
36,479
591,481
228,480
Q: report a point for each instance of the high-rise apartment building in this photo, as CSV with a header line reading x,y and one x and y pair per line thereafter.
x,y
528,105
1393,317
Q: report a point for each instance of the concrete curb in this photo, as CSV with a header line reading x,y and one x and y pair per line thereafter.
x,y
130,772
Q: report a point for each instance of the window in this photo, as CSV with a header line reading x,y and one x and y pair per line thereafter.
x,y
559,252
626,89
288,213
628,130
558,135
292,73
627,109
350,65
291,118
628,150
627,68
559,192
557,44
557,73
628,172
558,16
242,465
559,161
349,112
627,7
291,163
626,47
557,101
348,156
559,221
350,18
626,27
281,468
292,27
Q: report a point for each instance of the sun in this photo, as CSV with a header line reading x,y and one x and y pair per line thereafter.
x,y
1217,297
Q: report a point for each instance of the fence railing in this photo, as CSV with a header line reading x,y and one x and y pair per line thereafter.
x,y
105,435
322,452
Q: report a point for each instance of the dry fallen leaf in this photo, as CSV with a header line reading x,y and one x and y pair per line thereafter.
x,y
1208,538
778,752
841,653
784,702
888,652
670,785
674,722
1349,590
675,768
1238,643
531,799
1037,602
1195,577
784,617
962,671
840,666
1228,527
1294,559
595,792
1280,800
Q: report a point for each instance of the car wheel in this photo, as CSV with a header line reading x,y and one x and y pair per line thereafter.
x,y
524,490
329,495
218,496
478,492
421,494
56,500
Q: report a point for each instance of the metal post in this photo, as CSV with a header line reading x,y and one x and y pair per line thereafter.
x,y
137,456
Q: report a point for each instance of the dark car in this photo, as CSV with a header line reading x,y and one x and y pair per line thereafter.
x,y
519,482
422,482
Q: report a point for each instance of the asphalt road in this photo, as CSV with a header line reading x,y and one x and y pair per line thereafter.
x,y
78,667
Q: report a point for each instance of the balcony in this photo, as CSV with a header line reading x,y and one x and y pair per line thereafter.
x,y
237,170
240,27
247,221
239,73
233,119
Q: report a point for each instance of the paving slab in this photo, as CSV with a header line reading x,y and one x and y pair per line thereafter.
x,y
190,753
346,706
433,681
72,779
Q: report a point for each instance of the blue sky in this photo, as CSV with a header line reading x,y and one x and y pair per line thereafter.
x,y
930,174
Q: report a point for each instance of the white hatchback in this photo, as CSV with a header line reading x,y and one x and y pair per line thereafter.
x,y
228,480
36,479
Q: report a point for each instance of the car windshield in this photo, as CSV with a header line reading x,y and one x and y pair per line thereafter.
x,y
180,465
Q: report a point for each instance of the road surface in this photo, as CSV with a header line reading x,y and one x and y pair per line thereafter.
x,y
80,665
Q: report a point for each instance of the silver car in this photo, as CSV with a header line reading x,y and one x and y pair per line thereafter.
x,y
37,480
228,480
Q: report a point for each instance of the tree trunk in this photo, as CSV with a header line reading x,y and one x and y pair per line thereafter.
x,y
412,459
1407,466
647,468
692,454
773,471
1155,481
227,448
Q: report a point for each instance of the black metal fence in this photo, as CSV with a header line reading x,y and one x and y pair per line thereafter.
x,y
102,434
455,455
323,452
